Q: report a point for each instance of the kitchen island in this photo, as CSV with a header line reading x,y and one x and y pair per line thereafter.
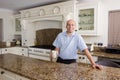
x,y
36,69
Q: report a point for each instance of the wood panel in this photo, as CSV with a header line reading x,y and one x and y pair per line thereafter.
x,y
114,27
46,36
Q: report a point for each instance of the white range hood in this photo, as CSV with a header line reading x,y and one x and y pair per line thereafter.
x,y
44,18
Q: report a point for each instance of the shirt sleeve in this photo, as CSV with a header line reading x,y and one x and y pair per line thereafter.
x,y
56,42
81,44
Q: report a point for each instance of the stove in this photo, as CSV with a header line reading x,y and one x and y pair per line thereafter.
x,y
40,51
43,47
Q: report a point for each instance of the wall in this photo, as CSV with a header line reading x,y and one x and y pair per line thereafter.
x,y
8,25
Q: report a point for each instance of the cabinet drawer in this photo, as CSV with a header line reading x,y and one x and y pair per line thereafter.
x,y
21,78
95,58
6,75
81,58
47,58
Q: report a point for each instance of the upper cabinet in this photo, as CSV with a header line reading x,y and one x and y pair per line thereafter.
x,y
17,19
88,18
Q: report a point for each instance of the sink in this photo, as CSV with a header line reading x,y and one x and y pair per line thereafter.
x,y
108,63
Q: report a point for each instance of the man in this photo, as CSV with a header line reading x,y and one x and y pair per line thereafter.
x,y
67,44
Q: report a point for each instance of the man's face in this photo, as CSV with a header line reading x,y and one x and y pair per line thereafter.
x,y
70,26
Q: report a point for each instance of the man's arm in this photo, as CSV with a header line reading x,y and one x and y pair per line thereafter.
x,y
94,65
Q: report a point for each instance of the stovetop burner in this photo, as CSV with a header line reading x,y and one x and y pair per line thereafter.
x,y
44,47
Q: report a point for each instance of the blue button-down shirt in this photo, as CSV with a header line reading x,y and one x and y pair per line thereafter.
x,y
69,45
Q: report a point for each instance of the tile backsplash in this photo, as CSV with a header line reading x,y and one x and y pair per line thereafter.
x,y
46,36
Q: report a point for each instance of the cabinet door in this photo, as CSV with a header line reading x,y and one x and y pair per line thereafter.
x,y
87,19
6,50
24,51
42,57
81,58
17,24
5,75
15,50
21,78
95,58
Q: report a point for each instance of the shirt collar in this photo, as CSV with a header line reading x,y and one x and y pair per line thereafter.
x,y
65,33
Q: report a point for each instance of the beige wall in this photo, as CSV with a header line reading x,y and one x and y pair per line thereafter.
x,y
8,25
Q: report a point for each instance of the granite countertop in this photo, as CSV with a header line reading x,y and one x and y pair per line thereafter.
x,y
36,69
103,54
108,55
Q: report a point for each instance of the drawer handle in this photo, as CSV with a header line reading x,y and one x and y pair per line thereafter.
x,y
2,72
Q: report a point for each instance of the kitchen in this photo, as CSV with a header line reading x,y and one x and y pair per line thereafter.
x,y
28,20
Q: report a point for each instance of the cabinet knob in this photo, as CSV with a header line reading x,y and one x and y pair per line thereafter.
x,y
2,72
5,49
83,57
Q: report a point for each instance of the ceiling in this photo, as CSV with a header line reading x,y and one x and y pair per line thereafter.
x,y
16,5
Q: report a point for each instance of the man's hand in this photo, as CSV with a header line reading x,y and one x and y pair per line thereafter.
x,y
96,66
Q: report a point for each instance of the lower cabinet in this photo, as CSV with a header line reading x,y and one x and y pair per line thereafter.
x,y
6,50
84,59
21,78
7,75
42,57
24,51
15,50
95,58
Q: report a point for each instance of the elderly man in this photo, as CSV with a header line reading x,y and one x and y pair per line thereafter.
x,y
68,43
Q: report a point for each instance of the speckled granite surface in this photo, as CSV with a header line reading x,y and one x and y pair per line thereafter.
x,y
36,69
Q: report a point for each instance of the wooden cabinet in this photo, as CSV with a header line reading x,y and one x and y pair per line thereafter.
x,y
89,18
7,75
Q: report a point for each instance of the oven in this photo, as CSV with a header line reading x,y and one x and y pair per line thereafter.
x,y
40,52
